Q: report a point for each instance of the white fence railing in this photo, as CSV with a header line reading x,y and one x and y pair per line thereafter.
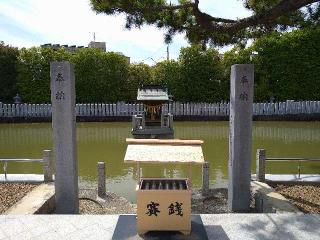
x,y
261,161
176,108
46,160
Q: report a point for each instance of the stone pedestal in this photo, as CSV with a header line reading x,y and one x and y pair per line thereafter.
x,y
64,137
240,139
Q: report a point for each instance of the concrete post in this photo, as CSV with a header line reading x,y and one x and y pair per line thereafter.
x,y
143,121
64,136
260,164
134,122
170,122
101,179
1,109
190,176
162,120
9,110
240,139
48,168
205,178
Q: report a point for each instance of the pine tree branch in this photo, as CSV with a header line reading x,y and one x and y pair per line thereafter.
x,y
271,15
204,25
208,21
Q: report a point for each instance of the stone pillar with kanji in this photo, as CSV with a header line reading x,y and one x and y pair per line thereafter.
x,y
240,137
64,137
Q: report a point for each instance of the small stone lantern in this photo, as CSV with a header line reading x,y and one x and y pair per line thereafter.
x,y
17,99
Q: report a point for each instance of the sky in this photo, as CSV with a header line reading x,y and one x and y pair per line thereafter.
x,y
27,23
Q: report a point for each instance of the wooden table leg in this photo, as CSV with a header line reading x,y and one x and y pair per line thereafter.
x,y
138,173
190,176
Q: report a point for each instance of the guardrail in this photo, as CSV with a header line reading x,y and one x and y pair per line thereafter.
x,y
262,159
176,108
47,161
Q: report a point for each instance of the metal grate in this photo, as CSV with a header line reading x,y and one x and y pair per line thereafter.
x,y
158,184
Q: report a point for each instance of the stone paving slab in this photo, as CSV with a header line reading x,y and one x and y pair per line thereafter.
x,y
30,178
262,226
218,226
293,177
130,231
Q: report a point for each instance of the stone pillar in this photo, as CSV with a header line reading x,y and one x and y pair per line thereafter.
x,y
101,179
240,139
260,165
64,137
48,168
205,178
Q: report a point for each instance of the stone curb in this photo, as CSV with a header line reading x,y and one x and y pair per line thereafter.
x,y
40,200
267,200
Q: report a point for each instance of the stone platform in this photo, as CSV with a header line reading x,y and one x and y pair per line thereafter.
x,y
217,226
291,178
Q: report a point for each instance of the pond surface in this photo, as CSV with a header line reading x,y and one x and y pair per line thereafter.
x,y
106,142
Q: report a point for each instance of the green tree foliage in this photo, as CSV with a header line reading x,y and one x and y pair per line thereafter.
x,y
169,73
187,17
34,72
139,74
8,73
286,65
289,64
201,74
248,55
100,76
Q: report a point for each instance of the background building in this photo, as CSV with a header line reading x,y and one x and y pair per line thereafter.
x,y
73,48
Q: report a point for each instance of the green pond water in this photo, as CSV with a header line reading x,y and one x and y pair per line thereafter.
x,y
106,142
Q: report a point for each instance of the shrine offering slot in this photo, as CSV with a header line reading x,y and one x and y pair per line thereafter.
x,y
158,184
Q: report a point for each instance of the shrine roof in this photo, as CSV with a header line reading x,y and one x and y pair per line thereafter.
x,y
153,93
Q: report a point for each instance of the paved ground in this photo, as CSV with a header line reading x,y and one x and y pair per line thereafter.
x,y
218,226
307,178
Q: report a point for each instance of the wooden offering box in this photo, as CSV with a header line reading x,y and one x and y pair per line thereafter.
x,y
163,205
